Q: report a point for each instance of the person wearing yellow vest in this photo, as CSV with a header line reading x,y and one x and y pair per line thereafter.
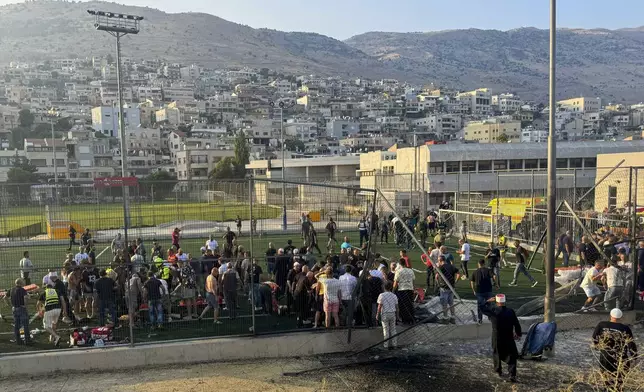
x,y
52,303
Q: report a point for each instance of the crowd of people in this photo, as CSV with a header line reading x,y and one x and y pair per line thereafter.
x,y
350,287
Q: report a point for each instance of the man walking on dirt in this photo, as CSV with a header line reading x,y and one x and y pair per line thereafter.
x,y
505,330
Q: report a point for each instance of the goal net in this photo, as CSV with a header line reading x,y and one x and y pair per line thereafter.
x,y
216,197
478,226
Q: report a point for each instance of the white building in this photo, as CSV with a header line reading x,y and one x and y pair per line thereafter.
x,y
479,101
105,119
342,127
143,93
531,135
506,103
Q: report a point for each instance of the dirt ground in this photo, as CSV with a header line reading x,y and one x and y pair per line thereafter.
x,y
452,366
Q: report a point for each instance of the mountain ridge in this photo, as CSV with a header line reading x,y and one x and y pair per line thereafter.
x,y
593,62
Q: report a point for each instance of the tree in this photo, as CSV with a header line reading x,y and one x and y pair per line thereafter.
x,y
18,136
25,118
21,177
503,138
294,145
242,150
159,184
224,169
109,59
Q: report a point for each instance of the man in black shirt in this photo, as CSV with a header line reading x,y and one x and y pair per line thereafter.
x,y
481,283
617,348
229,237
493,257
283,263
18,296
105,289
505,330
288,249
331,228
152,294
445,293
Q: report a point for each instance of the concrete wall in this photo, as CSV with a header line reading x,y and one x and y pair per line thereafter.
x,y
619,178
249,348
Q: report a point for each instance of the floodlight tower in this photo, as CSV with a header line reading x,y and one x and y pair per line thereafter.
x,y
282,105
119,25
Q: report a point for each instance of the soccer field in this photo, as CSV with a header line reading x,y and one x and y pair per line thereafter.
x,y
51,256
105,216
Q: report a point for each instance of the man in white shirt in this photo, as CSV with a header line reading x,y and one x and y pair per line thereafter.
x,y
613,280
348,284
80,256
404,286
26,268
465,257
212,243
589,284
388,314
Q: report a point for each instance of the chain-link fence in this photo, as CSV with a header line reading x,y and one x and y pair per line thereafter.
x,y
201,259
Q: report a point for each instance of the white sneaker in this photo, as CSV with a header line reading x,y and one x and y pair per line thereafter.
x,y
535,283
512,284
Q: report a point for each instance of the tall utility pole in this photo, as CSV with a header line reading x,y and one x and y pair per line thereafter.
x,y
283,106
52,113
549,302
119,25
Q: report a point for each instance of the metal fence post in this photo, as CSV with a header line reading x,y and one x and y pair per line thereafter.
x,y
457,197
632,231
532,204
496,215
252,254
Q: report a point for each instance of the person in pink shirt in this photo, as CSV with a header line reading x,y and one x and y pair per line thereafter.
x,y
176,235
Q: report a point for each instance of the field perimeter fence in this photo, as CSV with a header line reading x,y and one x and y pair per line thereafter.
x,y
253,293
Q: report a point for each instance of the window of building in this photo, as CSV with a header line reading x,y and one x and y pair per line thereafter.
x,y
543,164
485,166
39,162
452,167
590,162
436,168
516,164
468,166
562,163
612,197
500,165
575,162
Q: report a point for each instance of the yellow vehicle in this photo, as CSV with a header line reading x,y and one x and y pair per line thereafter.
x,y
513,207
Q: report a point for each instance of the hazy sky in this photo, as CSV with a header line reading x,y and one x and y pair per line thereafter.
x,y
344,18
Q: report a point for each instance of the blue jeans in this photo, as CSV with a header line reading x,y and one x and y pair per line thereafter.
x,y
21,320
566,256
520,268
257,296
481,299
155,310
102,305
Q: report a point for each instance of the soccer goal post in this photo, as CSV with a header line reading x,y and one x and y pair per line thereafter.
x,y
478,226
216,197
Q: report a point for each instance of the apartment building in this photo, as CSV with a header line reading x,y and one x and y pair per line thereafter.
x,y
506,103
342,127
105,119
197,163
169,114
479,101
488,131
581,104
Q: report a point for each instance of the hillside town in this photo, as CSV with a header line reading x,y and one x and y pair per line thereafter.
x,y
182,119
